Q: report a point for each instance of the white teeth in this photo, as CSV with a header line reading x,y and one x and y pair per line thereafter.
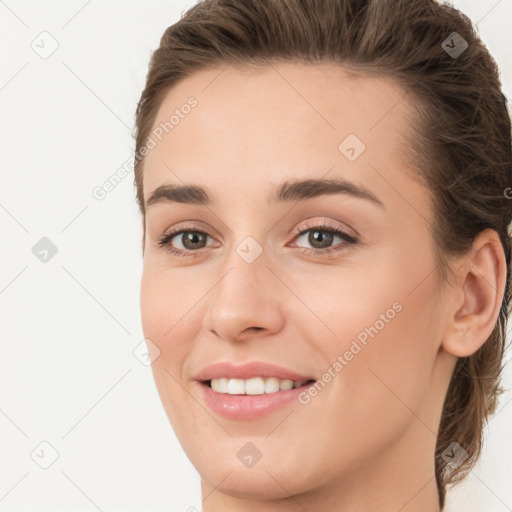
x,y
222,384
253,386
286,384
271,385
236,386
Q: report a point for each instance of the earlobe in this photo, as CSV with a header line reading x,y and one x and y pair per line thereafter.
x,y
478,296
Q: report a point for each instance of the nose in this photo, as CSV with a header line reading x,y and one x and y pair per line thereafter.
x,y
246,301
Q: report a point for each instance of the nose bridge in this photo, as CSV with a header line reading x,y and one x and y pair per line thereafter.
x,y
244,296
245,270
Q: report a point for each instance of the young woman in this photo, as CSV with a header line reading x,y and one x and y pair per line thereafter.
x,y
325,197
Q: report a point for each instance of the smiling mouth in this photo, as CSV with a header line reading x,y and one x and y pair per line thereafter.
x,y
255,385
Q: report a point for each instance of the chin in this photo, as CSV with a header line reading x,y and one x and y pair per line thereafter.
x,y
253,484
271,479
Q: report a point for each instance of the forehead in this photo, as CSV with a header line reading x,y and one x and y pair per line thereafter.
x,y
254,126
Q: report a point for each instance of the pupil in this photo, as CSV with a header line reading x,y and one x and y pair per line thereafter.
x,y
191,240
321,235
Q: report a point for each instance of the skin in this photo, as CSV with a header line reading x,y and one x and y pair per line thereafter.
x,y
367,440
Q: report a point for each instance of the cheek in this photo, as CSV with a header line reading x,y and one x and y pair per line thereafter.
x,y
389,346
162,305
165,315
385,390
166,300
382,324
154,306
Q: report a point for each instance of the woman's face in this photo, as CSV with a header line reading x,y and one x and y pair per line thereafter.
x,y
360,313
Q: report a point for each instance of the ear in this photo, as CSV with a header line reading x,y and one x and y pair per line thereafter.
x,y
477,296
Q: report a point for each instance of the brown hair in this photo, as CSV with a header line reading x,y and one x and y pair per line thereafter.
x,y
460,146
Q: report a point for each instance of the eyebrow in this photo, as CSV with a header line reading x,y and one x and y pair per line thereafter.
x,y
291,190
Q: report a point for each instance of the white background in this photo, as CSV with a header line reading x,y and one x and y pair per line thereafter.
x,y
68,375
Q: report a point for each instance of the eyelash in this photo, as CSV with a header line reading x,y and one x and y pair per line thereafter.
x,y
324,228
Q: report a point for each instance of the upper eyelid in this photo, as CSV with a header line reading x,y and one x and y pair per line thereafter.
x,y
197,225
296,231
186,228
327,225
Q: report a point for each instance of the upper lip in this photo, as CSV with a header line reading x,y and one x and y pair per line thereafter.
x,y
247,371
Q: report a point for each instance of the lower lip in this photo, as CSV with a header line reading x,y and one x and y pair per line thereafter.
x,y
249,407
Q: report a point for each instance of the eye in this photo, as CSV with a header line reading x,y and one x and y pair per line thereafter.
x,y
190,240
321,238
